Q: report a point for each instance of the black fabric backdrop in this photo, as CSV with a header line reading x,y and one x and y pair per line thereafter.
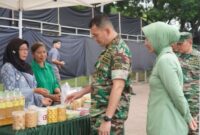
x,y
5,12
71,17
5,36
79,53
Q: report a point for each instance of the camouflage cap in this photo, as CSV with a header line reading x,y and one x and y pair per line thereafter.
x,y
184,36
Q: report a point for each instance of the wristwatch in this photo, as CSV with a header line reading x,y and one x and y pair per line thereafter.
x,y
106,118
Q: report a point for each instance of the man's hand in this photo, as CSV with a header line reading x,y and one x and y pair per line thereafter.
x,y
41,91
70,98
193,124
62,63
46,101
105,128
57,62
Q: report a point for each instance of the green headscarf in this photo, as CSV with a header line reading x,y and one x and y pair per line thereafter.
x,y
161,35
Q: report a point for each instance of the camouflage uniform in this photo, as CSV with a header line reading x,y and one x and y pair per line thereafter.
x,y
190,64
113,63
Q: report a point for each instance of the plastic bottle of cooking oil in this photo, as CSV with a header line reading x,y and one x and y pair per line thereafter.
x,y
8,107
15,101
21,101
2,108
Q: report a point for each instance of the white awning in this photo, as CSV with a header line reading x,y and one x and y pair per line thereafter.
x,y
25,5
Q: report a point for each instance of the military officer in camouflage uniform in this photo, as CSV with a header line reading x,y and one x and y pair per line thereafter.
x,y
190,62
110,88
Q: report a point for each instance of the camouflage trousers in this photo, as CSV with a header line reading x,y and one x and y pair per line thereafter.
x,y
192,97
117,127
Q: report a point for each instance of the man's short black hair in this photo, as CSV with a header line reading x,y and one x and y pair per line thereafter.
x,y
56,41
99,21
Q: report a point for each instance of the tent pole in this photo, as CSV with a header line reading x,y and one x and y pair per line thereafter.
x,y
76,82
141,29
13,17
20,23
59,26
102,8
120,29
58,17
92,12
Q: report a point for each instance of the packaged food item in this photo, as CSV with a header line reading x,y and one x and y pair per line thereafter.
x,y
18,120
33,107
68,106
61,112
19,99
2,109
52,114
64,92
31,118
72,114
42,116
83,111
86,97
9,102
76,104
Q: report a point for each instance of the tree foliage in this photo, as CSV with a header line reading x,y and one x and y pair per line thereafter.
x,y
187,12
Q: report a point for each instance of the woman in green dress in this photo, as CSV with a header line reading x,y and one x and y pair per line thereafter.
x,y
44,73
168,110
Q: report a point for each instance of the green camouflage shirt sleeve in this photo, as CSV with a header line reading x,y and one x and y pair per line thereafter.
x,y
120,65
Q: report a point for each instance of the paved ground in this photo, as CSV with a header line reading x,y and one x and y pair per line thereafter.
x,y
136,123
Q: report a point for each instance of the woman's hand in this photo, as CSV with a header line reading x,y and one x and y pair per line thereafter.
x,y
193,124
55,97
47,101
57,91
41,91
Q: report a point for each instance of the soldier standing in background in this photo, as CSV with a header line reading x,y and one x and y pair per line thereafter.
x,y
190,62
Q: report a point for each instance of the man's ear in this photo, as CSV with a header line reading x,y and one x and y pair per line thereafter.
x,y
107,29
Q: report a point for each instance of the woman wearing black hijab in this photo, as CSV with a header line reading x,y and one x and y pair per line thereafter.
x,y
17,74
